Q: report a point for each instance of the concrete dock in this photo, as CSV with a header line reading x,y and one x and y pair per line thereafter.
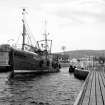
x,y
93,89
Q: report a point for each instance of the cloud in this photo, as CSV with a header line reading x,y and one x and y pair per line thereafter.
x,y
79,11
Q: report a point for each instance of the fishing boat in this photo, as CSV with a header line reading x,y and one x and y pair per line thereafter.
x,y
71,68
81,73
33,59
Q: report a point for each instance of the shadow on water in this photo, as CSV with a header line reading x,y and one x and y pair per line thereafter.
x,y
25,77
41,89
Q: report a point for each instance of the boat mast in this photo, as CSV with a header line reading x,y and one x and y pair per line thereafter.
x,y
24,29
45,35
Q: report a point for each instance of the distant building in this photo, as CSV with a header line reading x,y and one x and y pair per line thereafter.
x,y
83,62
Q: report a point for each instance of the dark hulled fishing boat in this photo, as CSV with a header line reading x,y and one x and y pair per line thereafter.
x,y
81,73
34,59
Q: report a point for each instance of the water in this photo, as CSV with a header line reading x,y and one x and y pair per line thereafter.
x,y
46,89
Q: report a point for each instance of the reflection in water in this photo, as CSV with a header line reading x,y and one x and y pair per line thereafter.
x,y
46,89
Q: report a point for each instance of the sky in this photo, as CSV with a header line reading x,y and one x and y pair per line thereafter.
x,y
75,24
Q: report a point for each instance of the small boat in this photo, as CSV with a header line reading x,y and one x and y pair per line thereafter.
x,y
81,73
71,69
29,58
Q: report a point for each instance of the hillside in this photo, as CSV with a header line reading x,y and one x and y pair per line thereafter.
x,y
84,53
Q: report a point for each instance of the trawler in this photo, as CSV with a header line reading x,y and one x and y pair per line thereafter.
x,y
33,59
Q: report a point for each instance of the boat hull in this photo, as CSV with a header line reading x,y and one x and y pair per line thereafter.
x,y
26,62
23,61
81,74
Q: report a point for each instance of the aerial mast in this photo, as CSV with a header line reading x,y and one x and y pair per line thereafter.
x,y
24,29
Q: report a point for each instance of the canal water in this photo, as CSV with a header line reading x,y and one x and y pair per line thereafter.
x,y
45,89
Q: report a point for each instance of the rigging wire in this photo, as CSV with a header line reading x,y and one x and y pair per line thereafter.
x,y
31,35
18,38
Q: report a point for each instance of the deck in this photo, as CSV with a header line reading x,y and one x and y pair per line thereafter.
x,y
93,90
